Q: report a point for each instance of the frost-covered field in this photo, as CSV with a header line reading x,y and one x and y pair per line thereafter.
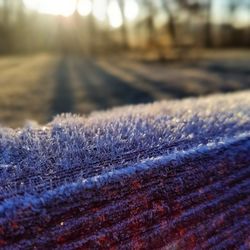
x,y
40,86
170,174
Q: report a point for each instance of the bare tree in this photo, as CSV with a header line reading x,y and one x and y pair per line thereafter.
x,y
171,24
208,24
150,20
6,12
232,5
125,41
203,11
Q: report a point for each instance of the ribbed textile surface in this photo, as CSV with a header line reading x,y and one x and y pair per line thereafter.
x,y
170,175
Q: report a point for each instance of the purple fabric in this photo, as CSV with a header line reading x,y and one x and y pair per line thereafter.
x,y
172,175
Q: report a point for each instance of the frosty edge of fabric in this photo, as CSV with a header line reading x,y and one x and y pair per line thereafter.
x,y
134,176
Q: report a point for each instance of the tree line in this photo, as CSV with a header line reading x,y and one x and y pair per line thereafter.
x,y
161,24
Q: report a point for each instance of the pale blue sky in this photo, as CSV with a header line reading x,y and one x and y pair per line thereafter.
x,y
220,10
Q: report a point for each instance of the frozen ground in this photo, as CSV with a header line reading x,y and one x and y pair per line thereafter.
x,y
38,87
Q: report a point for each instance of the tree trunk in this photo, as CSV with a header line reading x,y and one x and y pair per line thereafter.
x,y
170,27
208,25
125,42
150,22
5,13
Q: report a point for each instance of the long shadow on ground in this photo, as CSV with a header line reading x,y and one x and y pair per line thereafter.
x,y
63,101
169,88
105,89
239,73
228,75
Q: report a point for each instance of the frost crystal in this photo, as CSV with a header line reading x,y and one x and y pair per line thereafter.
x,y
173,174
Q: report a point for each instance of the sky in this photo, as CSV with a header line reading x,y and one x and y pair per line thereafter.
x,y
85,7
67,7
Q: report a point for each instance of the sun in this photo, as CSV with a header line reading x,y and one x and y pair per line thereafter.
x,y
101,9
84,7
114,14
131,9
55,7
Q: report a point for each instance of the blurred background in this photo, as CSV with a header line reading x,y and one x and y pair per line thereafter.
x,y
79,56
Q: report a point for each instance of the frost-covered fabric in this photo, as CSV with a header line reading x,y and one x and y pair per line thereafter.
x,y
172,175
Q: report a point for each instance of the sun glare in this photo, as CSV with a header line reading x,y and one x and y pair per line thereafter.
x,y
55,7
31,4
114,14
131,9
84,7
101,9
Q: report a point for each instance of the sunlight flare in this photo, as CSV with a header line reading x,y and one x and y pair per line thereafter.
x,y
131,10
99,10
114,14
84,7
55,7
31,4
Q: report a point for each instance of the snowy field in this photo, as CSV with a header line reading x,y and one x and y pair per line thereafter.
x,y
39,86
